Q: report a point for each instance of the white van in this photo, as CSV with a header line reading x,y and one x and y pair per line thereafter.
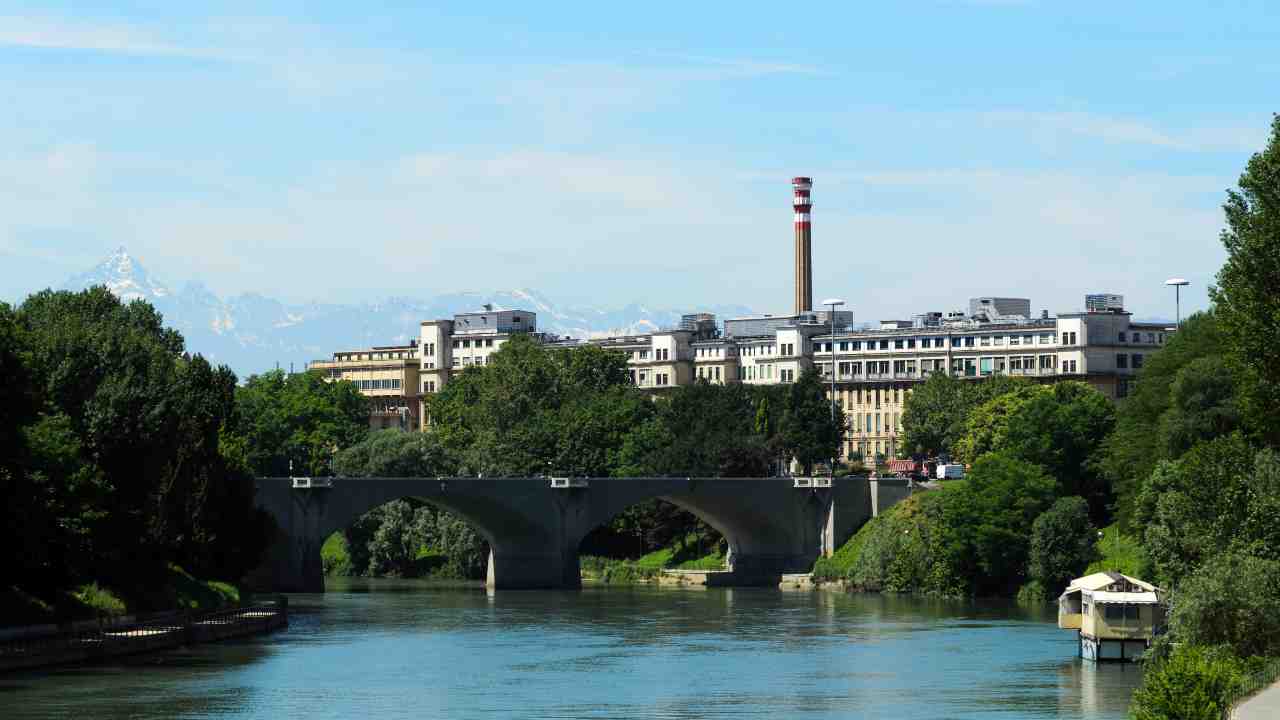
x,y
950,472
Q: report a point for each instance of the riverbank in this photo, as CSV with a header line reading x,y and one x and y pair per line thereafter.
x,y
41,646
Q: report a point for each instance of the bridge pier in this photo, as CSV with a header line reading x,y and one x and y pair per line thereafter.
x,y
533,570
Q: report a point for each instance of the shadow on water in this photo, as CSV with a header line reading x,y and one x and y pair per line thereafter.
x,y
432,649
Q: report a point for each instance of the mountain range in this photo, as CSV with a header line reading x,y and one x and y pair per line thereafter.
x,y
252,333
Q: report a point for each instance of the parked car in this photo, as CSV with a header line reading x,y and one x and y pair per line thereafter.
x,y
950,472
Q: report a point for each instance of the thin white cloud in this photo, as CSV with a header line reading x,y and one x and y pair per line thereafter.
x,y
1125,130
60,34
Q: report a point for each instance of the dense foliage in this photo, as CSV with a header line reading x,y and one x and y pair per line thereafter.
x,y
1062,545
1245,296
1147,421
114,461
1194,683
1231,601
295,423
1221,496
937,411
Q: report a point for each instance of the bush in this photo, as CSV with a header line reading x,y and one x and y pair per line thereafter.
x,y
335,557
101,601
900,552
985,525
1232,601
1193,683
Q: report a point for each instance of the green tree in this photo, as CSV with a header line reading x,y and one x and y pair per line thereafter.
x,y
986,425
1194,683
25,530
987,522
125,452
532,409
933,414
395,453
1062,544
936,411
1143,437
297,418
1202,406
1062,430
401,533
1221,496
811,432
1245,296
1232,600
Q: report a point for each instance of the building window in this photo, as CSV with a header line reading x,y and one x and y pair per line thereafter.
x,y
968,342
899,344
1122,361
985,341
1122,337
1137,361
1120,612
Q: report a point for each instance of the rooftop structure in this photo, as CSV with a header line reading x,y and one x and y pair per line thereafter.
x,y
992,309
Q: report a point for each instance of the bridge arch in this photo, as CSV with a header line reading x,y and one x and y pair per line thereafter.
x,y
534,530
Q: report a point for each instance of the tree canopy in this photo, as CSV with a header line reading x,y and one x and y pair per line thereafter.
x,y
297,419
1245,296
115,464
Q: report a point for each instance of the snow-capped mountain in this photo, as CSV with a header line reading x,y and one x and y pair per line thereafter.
x,y
253,333
123,276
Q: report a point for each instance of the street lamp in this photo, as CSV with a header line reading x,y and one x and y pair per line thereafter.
x,y
833,303
1177,283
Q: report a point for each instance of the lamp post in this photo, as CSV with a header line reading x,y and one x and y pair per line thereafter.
x,y
833,303
1177,283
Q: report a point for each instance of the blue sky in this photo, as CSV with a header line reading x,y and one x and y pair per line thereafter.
x,y
608,152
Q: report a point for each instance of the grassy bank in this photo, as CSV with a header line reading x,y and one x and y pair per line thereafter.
x,y
175,590
1120,552
682,555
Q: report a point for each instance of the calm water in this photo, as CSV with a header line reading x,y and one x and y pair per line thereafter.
x,y
404,649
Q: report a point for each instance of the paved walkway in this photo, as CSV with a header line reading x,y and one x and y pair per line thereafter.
x,y
1263,706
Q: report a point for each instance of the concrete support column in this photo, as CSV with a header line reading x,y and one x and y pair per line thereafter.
x,y
534,569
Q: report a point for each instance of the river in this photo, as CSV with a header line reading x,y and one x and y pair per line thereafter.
x,y
389,649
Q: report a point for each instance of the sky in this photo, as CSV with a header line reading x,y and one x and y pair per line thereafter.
x,y
608,153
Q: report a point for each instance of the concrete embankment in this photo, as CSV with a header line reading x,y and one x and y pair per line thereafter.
x,y
37,647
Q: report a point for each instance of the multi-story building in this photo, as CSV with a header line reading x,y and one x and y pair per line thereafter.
x,y
875,369
388,376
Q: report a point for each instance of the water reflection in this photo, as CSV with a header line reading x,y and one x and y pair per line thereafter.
x,y
398,649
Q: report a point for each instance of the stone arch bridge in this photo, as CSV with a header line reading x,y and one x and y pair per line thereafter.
x,y
535,524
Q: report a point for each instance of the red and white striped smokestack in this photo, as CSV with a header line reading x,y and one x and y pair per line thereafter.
x,y
804,239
